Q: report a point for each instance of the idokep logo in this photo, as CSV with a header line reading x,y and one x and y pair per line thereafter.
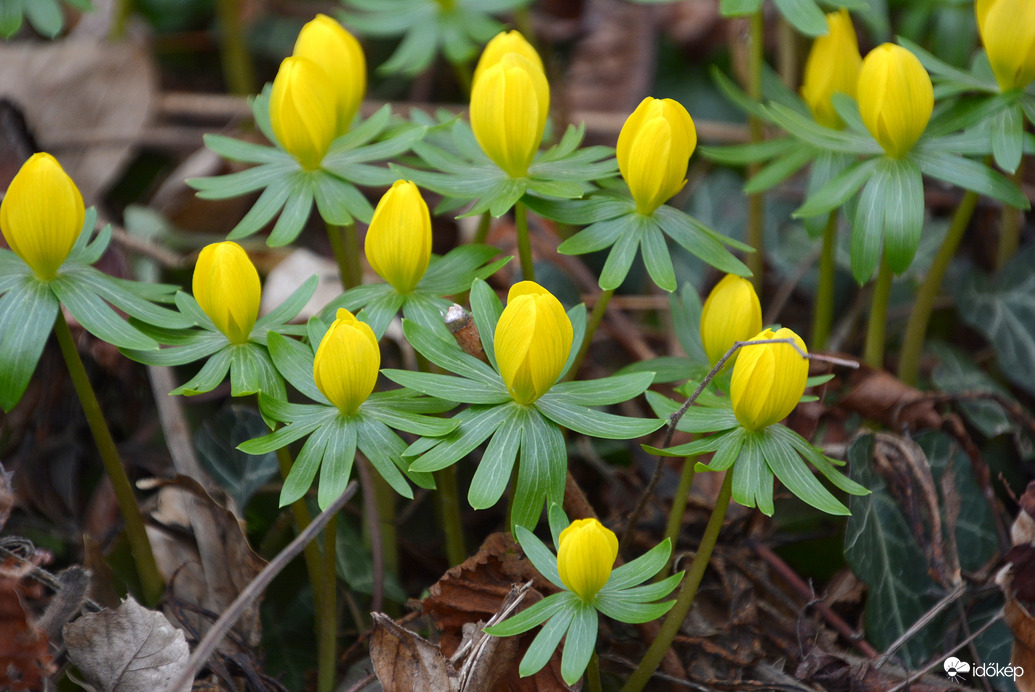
x,y
957,670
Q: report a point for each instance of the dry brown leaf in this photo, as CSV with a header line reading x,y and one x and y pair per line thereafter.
x,y
25,659
1017,580
131,649
405,661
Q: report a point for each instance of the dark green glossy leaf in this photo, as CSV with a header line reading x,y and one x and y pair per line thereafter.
x,y
216,442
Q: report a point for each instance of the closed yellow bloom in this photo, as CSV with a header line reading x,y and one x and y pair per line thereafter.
x,y
303,110
509,104
895,98
398,243
654,148
585,556
501,44
532,341
1007,29
768,380
346,363
42,215
832,67
731,313
226,286
329,45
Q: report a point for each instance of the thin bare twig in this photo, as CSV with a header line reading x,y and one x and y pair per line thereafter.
x,y
950,598
937,661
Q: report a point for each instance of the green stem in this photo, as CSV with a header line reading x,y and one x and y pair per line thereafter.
x,y
345,246
593,674
594,320
449,515
484,225
238,71
140,546
873,354
787,55
327,623
756,212
464,76
823,315
916,328
523,242
300,512
1010,228
678,509
674,620
384,496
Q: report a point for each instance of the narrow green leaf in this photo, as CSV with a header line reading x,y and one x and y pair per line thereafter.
x,y
539,555
294,360
494,470
541,470
598,236
245,152
605,391
486,309
739,8
620,259
27,314
211,375
449,356
269,203
614,607
296,212
903,213
535,614
577,317
558,522
743,154
837,191
868,227
784,461
657,259
780,169
545,643
252,371
387,412
819,461
474,426
701,241
652,592
97,317
288,309
1008,137
587,421
300,477
201,346
383,447
579,643
970,175
639,570
752,480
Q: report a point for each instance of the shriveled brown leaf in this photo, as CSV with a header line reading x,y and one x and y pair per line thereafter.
x,y
131,649
404,660
25,659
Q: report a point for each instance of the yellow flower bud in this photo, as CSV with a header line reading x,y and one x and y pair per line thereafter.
x,y
509,104
585,556
329,45
895,98
501,44
654,148
532,341
303,110
768,380
832,67
398,242
42,215
226,286
731,313
346,363
1007,29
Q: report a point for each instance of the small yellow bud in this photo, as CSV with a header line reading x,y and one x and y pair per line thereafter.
x,y
226,286
731,313
768,380
303,110
585,556
832,67
398,242
1007,29
42,215
347,362
654,148
532,341
329,45
509,104
501,44
895,98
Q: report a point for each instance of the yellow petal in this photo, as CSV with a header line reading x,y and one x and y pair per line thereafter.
x,y
347,362
329,45
768,380
832,67
303,110
398,242
895,98
586,554
654,148
226,286
731,313
532,341
501,44
1008,31
42,215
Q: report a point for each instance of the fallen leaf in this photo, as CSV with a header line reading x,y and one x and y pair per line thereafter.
x,y
130,649
25,659
405,661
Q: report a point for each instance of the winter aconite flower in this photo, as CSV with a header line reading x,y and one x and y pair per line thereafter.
x,y
1007,29
42,215
585,556
654,148
532,341
329,45
895,98
226,286
509,103
398,242
768,380
501,44
304,110
731,313
832,67
346,363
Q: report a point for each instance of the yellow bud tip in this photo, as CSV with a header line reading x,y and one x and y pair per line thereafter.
x,y
398,241
226,286
1007,29
501,44
328,44
768,379
532,341
896,98
586,554
654,149
832,67
303,110
731,313
347,362
42,215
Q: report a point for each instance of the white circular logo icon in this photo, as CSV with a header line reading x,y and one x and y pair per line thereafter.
x,y
956,668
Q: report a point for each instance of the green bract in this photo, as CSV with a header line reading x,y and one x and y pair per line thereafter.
x,y
458,28
45,16
754,457
335,437
533,430
463,172
805,15
622,598
290,190
446,275
29,306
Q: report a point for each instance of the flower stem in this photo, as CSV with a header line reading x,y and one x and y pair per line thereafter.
x,y
384,496
464,76
823,310
238,71
345,246
300,512
916,328
594,320
674,620
873,354
678,509
327,623
523,242
593,674
1010,228
756,212
140,546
